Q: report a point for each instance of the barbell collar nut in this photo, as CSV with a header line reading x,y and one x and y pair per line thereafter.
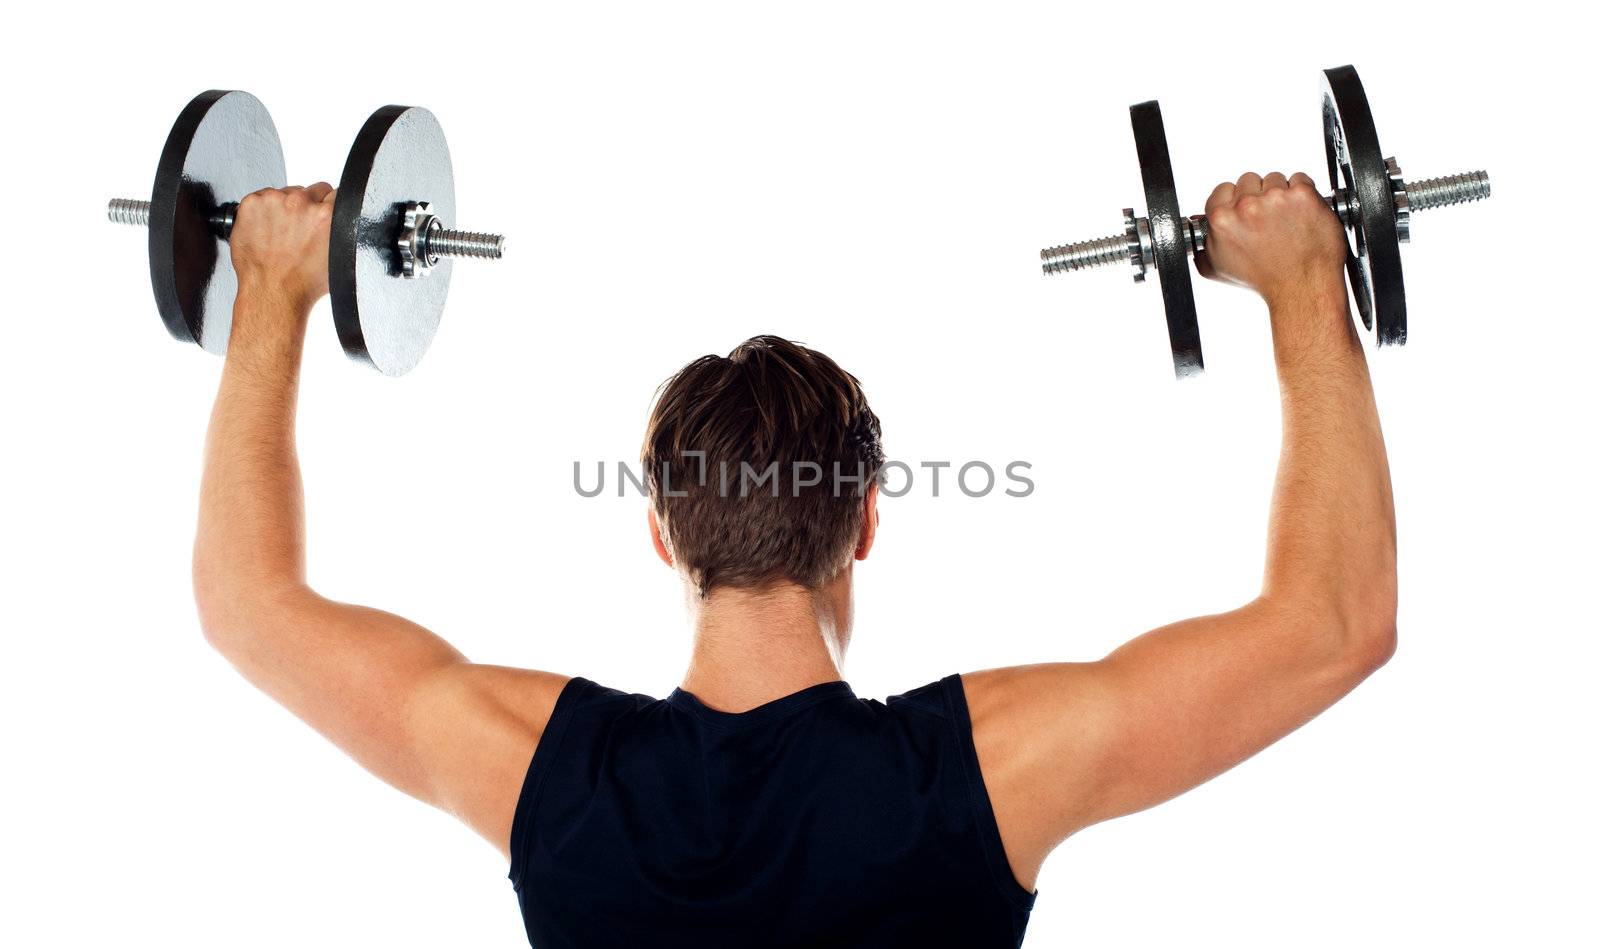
x,y
424,241
1138,241
1402,205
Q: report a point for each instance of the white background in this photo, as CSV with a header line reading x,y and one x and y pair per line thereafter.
x,y
873,181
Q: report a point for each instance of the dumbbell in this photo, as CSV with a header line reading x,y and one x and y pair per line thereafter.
x,y
1369,194
389,249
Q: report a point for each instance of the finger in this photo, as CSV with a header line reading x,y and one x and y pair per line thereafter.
x,y
293,189
319,192
1248,183
1220,195
1274,179
1301,178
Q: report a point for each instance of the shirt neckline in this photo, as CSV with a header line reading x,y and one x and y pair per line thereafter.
x,y
786,705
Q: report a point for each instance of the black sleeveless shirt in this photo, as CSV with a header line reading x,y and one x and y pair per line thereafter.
x,y
819,819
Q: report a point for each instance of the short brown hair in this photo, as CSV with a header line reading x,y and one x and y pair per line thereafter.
x,y
769,408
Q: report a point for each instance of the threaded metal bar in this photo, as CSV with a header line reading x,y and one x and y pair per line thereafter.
x,y
445,242
1451,189
1084,255
129,211
1421,195
442,242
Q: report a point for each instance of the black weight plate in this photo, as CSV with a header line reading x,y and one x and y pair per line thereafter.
x,y
383,318
1355,162
222,147
1171,255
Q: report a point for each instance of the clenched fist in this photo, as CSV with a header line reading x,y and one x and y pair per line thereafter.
x,y
279,243
1274,235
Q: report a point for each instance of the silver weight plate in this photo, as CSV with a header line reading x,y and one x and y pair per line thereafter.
x,y
384,318
222,147
1356,165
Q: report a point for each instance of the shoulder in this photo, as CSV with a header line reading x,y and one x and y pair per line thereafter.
x,y
1029,726
474,729
943,700
1018,703
965,711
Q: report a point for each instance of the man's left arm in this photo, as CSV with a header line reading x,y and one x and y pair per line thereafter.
x,y
397,698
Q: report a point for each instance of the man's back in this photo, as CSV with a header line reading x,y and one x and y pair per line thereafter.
x,y
820,820
817,819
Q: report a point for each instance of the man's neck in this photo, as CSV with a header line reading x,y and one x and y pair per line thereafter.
x,y
751,647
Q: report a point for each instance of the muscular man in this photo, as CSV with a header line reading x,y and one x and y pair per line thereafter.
x,y
762,803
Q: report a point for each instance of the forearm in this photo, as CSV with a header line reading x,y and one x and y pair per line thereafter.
x,y
1331,536
250,545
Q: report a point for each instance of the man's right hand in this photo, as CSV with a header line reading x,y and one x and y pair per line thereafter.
x,y
1274,235
279,243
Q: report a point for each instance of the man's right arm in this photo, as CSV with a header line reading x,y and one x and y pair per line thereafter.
x,y
396,697
1063,746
